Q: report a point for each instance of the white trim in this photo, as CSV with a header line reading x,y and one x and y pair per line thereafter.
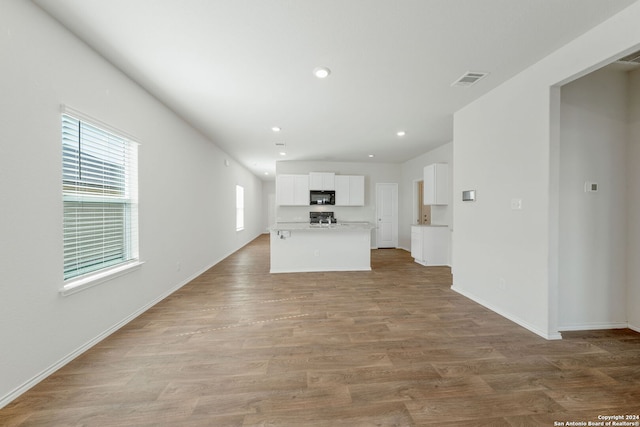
x,y
526,325
85,282
593,326
634,328
316,270
65,109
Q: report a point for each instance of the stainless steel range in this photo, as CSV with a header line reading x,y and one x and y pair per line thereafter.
x,y
322,218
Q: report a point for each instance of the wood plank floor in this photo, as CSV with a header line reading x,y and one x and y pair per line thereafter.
x,y
391,347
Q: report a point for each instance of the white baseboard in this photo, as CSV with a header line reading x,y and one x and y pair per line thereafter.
x,y
15,393
633,327
593,326
510,316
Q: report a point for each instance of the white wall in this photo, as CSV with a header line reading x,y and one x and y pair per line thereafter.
x,y
187,198
506,147
412,171
633,200
268,210
593,226
373,173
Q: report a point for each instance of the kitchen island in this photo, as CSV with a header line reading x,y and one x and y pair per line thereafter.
x,y
304,247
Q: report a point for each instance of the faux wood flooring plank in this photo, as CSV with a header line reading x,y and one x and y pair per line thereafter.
x,y
371,375
275,401
412,391
344,361
478,422
495,366
400,358
549,380
624,374
600,398
481,406
237,384
595,360
380,414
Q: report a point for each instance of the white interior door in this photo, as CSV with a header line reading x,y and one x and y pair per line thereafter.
x,y
387,215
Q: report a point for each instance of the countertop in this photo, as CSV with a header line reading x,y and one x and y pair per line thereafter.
x,y
429,225
305,226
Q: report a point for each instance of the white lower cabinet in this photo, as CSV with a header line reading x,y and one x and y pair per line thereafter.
x,y
430,244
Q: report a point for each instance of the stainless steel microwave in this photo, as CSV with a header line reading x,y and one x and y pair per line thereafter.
x,y
322,197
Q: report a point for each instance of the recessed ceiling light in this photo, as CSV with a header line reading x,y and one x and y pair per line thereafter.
x,y
321,72
371,155
276,128
401,133
266,173
282,153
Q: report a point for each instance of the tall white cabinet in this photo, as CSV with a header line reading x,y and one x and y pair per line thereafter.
x,y
436,184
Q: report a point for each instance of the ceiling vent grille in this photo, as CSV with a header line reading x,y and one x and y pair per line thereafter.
x,y
469,78
634,58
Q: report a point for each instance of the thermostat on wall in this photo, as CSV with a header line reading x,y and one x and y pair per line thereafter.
x,y
469,196
590,187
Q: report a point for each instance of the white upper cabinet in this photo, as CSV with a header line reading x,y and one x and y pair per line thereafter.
x,y
349,190
436,184
292,190
322,181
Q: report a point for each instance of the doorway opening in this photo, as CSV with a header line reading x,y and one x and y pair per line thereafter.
x,y
597,237
421,211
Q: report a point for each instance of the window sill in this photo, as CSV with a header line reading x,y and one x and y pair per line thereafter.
x,y
81,284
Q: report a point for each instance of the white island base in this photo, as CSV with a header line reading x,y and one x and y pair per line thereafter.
x,y
304,248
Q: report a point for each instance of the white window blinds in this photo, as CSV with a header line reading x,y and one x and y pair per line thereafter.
x,y
99,186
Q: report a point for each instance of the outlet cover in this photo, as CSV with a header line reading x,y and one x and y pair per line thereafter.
x,y
590,187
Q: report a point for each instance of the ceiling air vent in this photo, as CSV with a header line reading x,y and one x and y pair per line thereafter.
x,y
469,78
634,58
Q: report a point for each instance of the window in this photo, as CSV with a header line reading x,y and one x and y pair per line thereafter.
x,y
99,188
239,208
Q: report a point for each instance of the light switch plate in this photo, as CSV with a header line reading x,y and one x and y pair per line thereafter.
x,y
516,204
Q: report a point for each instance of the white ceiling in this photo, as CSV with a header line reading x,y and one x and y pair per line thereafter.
x,y
236,68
